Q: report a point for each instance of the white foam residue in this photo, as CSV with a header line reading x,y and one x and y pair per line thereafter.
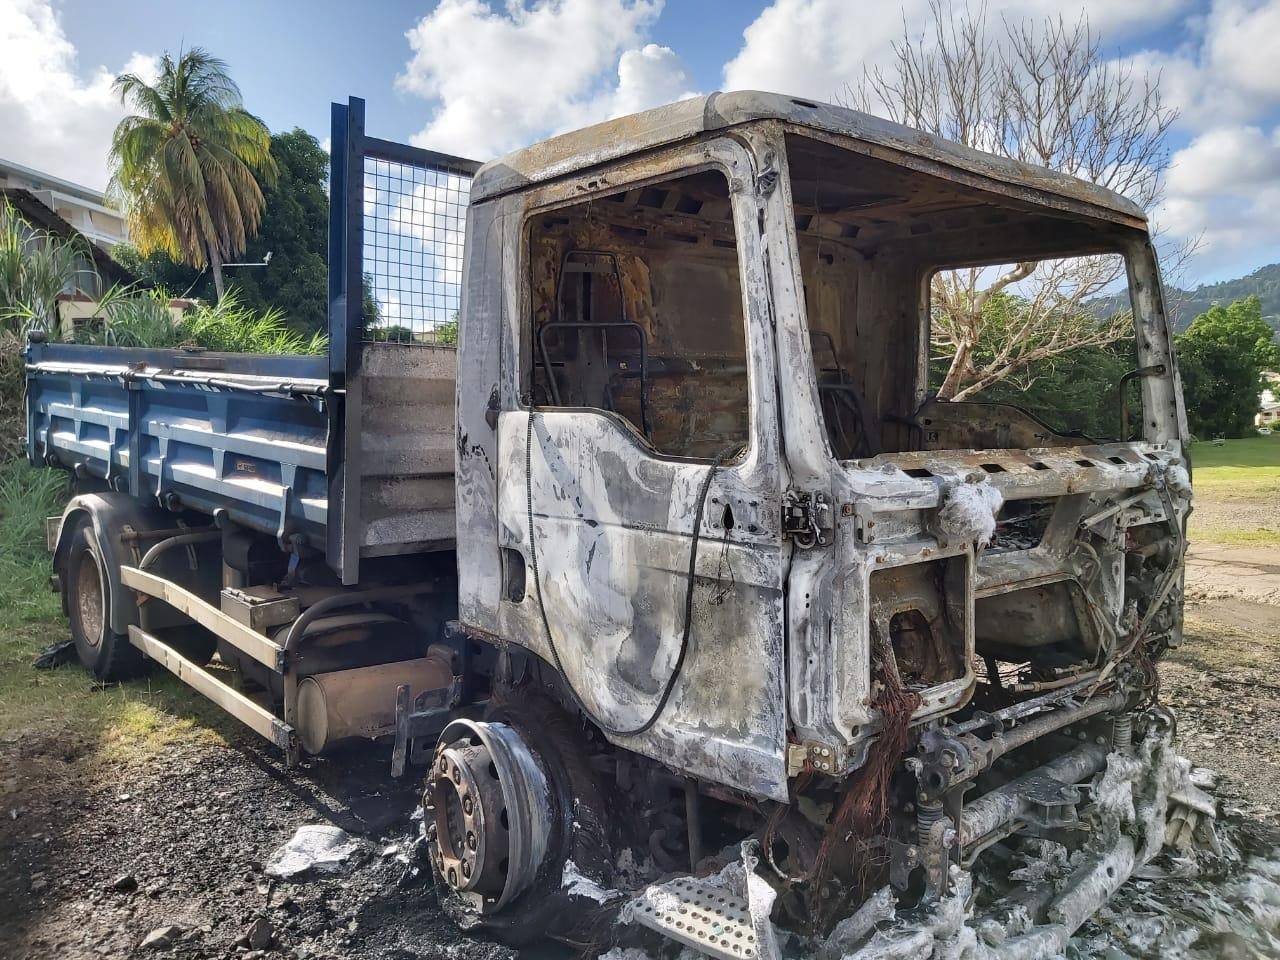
x,y
969,511
877,908
320,847
579,885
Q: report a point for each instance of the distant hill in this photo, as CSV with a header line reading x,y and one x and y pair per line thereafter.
x,y
1189,304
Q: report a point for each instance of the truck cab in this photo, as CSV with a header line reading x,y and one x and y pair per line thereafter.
x,y
705,331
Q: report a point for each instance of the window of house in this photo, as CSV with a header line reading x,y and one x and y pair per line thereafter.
x,y
637,311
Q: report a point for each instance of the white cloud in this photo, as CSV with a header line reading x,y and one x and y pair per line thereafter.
x,y
1228,70
1224,187
647,77
502,78
814,48
52,117
1227,158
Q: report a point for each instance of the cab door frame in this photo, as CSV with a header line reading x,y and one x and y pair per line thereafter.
x,y
612,519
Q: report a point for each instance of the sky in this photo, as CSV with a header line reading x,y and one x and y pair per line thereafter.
x,y
479,77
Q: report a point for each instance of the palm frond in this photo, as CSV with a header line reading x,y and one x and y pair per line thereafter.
x,y
186,165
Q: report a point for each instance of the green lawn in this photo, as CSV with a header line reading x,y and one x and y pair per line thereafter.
x,y
1250,453
1237,489
121,720
1239,467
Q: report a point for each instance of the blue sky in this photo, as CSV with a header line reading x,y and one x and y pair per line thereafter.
x,y
478,77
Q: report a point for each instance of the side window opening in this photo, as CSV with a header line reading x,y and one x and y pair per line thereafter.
x,y
637,310
913,348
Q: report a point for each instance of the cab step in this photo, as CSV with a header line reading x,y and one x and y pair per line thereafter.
x,y
701,914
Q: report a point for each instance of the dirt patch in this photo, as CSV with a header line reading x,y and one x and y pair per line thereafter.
x,y
1223,684
97,856
1217,572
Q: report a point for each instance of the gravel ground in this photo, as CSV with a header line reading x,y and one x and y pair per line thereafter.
x,y
100,854
98,858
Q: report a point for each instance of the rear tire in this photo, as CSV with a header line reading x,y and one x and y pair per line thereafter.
x,y
109,656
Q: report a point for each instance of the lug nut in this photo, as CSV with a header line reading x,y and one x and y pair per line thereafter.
x,y
471,840
467,805
466,869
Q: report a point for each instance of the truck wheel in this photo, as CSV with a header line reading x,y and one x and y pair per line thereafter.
x,y
504,863
109,656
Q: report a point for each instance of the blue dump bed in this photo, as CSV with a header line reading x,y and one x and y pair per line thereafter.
x,y
268,439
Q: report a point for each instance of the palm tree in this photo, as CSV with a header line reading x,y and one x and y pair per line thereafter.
x,y
187,163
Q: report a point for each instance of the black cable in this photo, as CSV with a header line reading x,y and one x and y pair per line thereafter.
x,y
688,597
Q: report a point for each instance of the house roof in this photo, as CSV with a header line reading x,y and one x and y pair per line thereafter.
x,y
582,149
38,215
49,181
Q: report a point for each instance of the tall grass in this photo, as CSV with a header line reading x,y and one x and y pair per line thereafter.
x,y
142,318
27,497
36,266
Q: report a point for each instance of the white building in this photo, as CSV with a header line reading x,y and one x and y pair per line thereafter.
x,y
1269,402
85,209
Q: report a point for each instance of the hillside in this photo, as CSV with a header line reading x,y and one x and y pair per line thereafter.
x,y
1189,304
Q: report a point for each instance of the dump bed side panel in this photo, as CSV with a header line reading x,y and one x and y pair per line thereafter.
x,y
236,432
250,435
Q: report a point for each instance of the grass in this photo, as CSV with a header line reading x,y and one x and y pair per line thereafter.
x,y
1238,467
1237,489
122,721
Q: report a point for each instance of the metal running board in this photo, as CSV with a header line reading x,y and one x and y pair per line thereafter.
x,y
255,644
700,914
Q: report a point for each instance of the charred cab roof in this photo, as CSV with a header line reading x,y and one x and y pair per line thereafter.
x,y
580,150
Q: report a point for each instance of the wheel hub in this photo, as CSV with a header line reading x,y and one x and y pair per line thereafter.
x,y
488,802
88,597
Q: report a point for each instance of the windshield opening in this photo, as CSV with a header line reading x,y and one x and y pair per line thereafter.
x,y
914,349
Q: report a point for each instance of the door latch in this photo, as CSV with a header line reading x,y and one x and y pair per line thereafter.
x,y
807,518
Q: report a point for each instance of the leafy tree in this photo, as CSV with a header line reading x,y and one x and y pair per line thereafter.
x,y
1073,391
1221,357
447,332
295,229
156,269
186,165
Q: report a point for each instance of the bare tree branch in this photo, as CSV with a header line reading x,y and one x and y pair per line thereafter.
x,y
1041,92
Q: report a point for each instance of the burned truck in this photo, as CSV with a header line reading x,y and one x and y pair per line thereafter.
x,y
698,608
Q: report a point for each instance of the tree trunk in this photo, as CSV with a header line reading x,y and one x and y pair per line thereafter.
x,y
215,264
955,373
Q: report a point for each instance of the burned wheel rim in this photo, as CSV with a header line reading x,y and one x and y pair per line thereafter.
x,y
488,802
89,608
